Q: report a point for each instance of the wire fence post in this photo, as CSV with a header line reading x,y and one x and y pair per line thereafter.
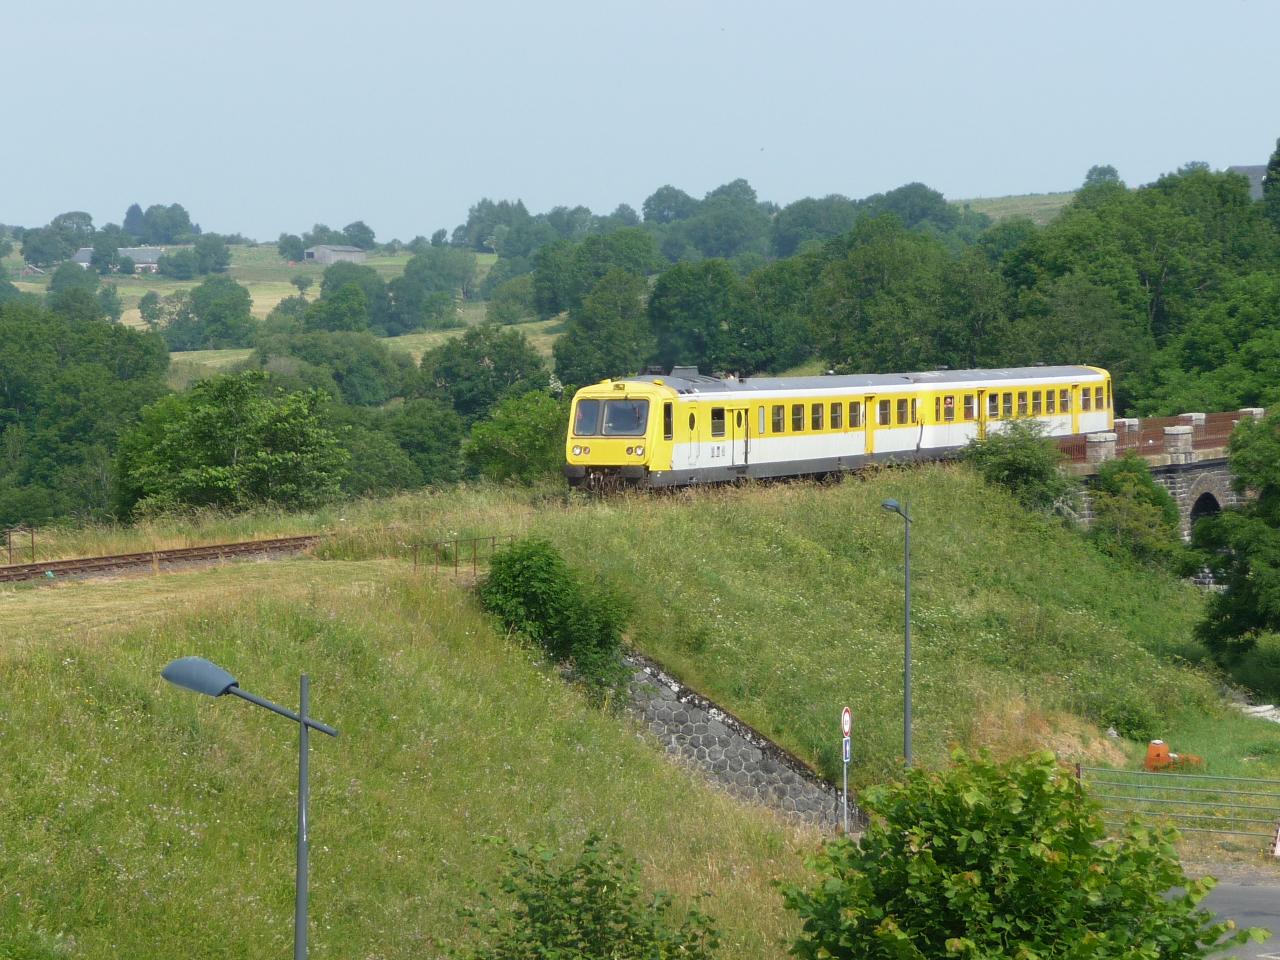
x,y
474,543
456,545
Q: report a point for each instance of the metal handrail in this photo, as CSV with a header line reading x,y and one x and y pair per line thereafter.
x,y
1164,775
1214,790
1191,803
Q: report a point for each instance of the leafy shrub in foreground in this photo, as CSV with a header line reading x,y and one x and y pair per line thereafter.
x,y
536,594
1136,517
988,861
1024,461
585,910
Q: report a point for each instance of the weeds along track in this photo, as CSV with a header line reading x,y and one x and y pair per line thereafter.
x,y
212,553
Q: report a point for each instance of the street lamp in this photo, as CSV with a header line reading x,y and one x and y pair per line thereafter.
x,y
198,674
893,506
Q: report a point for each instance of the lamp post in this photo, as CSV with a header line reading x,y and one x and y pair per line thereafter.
x,y
198,674
901,510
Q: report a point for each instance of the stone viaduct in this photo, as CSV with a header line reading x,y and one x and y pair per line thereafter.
x,y
1187,455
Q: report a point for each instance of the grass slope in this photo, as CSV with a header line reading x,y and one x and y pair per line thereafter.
x,y
145,821
1039,207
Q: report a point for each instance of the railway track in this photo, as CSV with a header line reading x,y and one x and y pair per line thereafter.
x,y
57,569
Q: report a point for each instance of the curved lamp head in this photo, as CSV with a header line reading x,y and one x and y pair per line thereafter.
x,y
893,506
198,674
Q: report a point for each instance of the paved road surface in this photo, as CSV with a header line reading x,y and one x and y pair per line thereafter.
x,y
1249,905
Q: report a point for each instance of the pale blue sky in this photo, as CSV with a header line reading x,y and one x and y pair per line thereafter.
x,y
263,116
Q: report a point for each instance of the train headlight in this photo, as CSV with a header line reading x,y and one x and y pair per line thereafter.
x,y
640,451
577,450
630,450
586,451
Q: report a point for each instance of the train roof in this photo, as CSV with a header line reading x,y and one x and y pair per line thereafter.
x,y
688,380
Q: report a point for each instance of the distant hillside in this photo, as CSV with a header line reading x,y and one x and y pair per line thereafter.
x,y
1039,207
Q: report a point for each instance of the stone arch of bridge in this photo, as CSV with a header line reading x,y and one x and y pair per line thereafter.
x,y
1207,495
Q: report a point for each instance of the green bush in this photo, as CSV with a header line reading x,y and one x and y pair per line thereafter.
x,y
1025,461
1135,517
535,593
989,861
1258,668
522,440
590,909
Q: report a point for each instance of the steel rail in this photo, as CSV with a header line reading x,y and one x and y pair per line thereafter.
x,y
32,571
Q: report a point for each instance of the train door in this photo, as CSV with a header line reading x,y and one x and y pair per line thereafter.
x,y
694,446
982,414
1075,408
869,422
739,437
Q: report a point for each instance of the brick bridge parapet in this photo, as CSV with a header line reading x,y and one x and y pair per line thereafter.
x,y
1187,455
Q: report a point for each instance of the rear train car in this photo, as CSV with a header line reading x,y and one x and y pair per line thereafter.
x,y
658,431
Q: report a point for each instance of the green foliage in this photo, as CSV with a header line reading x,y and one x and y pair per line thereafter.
x,y
512,301
290,247
989,861
1242,546
1271,188
377,300
346,308
564,273
180,265
521,440
608,335
690,310
211,253
231,442
1136,517
1024,461
425,294
364,371
71,276
474,371
71,386
217,315
535,594
431,435
359,234
587,909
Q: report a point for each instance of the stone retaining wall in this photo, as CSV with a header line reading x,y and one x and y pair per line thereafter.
x,y
734,756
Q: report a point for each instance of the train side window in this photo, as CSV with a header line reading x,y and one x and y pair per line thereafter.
x,y
993,405
1006,405
779,418
970,407
760,430
717,421
1064,401
1086,399
837,416
1050,402
855,413
882,413
668,422
1022,403
948,408
1097,399
1035,403
815,415
902,410
797,417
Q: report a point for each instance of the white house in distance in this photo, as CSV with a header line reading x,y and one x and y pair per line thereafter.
x,y
145,259
327,253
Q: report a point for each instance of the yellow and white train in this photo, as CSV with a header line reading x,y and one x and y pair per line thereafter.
x,y
659,431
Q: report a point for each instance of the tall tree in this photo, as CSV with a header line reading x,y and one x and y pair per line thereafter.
x,y
608,334
1271,187
473,371
135,224
689,313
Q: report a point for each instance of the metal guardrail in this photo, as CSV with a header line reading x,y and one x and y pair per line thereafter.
x,y
454,552
1200,803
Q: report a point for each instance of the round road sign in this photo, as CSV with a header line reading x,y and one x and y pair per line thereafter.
x,y
846,721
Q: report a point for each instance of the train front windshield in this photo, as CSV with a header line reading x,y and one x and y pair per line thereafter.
x,y
611,418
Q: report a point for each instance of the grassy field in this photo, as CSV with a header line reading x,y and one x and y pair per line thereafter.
x,y
140,814
784,602
1039,207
